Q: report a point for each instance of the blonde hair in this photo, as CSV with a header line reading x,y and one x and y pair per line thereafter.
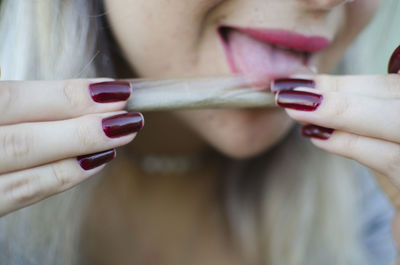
x,y
305,213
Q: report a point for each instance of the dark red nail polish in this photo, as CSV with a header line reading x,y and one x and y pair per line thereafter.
x,y
88,162
123,124
315,131
290,84
394,63
298,100
107,92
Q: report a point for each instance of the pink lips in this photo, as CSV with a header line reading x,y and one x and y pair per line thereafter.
x,y
288,39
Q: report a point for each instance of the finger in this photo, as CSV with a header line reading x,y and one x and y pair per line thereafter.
x,y
359,114
23,101
380,86
22,188
379,155
31,144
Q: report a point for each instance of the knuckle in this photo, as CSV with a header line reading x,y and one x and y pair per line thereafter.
x,y
7,97
73,95
23,191
394,163
34,185
16,144
337,108
62,175
350,142
87,134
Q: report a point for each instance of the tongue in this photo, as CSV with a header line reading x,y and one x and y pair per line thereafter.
x,y
261,61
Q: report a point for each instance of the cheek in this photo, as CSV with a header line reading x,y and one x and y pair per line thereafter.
x,y
165,32
356,17
360,13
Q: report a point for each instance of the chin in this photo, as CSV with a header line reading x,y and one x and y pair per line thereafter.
x,y
241,134
242,147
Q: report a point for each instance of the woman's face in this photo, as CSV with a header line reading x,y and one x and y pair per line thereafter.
x,y
178,38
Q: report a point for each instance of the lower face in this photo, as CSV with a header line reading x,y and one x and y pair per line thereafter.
x,y
179,38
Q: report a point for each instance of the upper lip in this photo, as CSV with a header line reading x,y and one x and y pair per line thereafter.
x,y
282,38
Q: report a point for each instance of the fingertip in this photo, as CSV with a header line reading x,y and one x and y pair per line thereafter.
x,y
92,172
96,160
110,91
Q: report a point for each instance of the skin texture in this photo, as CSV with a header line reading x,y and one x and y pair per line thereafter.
x,y
178,38
190,47
186,31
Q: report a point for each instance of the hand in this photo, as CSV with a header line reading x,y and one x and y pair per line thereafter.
x,y
48,128
353,116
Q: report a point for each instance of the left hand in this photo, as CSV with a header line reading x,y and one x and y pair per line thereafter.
x,y
362,112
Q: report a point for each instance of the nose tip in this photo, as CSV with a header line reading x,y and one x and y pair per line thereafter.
x,y
325,4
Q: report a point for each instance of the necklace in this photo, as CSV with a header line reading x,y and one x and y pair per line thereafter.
x,y
163,164
178,169
167,164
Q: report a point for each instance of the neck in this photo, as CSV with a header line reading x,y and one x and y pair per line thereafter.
x,y
166,134
174,218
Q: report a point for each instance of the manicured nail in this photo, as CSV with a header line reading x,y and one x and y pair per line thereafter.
x,y
315,131
107,92
290,84
298,100
394,63
123,124
88,162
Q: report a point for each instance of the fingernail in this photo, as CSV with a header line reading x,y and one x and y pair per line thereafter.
x,y
290,84
123,124
394,63
315,131
298,100
107,92
88,162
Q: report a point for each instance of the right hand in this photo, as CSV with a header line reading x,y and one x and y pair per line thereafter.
x,y
47,128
